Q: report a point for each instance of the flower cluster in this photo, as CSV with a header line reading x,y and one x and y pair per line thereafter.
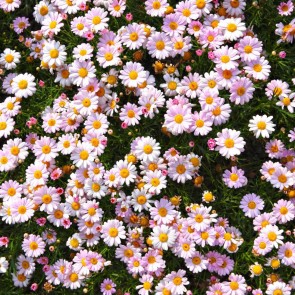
x,y
97,172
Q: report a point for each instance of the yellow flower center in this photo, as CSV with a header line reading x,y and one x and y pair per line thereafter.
x,y
257,68
199,218
15,150
160,45
124,173
232,27
177,281
272,236
229,143
163,237
178,119
21,277
46,199
108,56
156,5
80,26
234,285
133,75
173,25
84,155
82,72
186,12
58,214
113,232
155,182
95,187
52,24
133,36
22,209
234,177
43,10
282,178
172,85
284,210
38,174
200,123
33,246
162,212
9,58
148,149
225,59
23,84
248,49
241,91
73,277
96,20
25,264
180,169
74,243
54,53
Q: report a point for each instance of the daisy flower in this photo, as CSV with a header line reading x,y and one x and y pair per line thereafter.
x,y
156,7
83,155
178,119
108,56
196,263
236,285
33,246
79,26
130,114
127,172
251,204
37,174
45,149
235,7
180,170
23,85
281,178
273,234
22,209
177,281
25,265
20,279
83,51
117,7
250,48
259,69
10,189
233,28
10,106
133,36
10,5
285,8
107,287
278,288
52,23
201,124
66,144
163,212
225,58
174,25
97,19
9,58
261,125
132,74
146,149
58,215
3,265
159,45
210,38
287,101
229,143
155,181
6,125
113,232
284,211
47,198
234,178
82,73
190,85
188,10
286,253
241,90
145,288
163,237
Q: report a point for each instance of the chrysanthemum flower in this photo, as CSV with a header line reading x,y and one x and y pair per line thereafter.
x,y
229,143
156,7
113,232
251,204
9,58
82,73
159,45
163,237
23,85
33,246
233,28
